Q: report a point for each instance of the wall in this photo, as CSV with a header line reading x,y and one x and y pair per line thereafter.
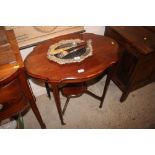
x,y
95,29
39,89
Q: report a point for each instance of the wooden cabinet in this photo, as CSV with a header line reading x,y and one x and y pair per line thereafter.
x,y
15,92
136,67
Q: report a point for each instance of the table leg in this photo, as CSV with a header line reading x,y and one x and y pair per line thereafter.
x,y
105,90
28,93
37,114
48,90
57,100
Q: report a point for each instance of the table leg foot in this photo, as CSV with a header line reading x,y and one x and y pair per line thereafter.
x,y
62,123
43,126
124,96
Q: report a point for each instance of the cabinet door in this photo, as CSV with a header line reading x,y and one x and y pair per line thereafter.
x,y
126,66
153,75
146,69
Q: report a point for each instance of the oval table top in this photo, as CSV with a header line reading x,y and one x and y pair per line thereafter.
x,y
105,53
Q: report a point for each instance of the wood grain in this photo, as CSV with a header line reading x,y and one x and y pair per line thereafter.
x,y
15,93
105,53
136,67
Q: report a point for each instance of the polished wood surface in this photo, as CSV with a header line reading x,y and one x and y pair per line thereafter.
x,y
9,48
12,98
136,67
15,92
105,53
138,37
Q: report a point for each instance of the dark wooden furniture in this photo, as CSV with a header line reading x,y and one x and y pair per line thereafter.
x,y
38,66
15,93
136,67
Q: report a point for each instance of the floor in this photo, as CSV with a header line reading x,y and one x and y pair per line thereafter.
x,y
138,111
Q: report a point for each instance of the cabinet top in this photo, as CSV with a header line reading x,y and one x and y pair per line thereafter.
x,y
139,37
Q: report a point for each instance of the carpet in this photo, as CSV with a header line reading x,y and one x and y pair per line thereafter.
x,y
137,112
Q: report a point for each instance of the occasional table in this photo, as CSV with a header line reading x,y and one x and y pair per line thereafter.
x,y
105,53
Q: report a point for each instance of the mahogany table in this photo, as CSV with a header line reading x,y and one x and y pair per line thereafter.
x,y
105,53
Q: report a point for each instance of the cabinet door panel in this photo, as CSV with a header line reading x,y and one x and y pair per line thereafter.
x,y
146,69
126,66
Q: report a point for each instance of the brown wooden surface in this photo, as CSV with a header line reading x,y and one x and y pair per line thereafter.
x,y
150,28
3,38
9,48
105,53
6,54
140,38
136,67
12,97
15,93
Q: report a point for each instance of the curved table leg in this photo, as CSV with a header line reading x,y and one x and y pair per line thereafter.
x,y
57,100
